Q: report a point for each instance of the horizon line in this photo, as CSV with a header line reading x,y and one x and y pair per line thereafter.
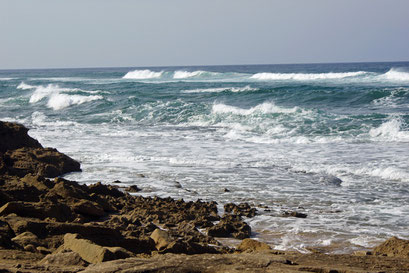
x,y
213,65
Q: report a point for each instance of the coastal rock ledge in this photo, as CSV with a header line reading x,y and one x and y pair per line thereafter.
x,y
51,224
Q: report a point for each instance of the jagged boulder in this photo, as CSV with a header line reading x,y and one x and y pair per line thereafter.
x,y
242,209
230,225
14,136
46,162
393,247
250,245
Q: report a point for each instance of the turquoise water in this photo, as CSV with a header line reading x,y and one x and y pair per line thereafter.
x,y
330,140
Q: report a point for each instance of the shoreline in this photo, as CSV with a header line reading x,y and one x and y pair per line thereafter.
x,y
60,225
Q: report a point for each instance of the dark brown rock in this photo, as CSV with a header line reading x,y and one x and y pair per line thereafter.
x,y
133,188
6,233
46,162
242,209
14,136
294,214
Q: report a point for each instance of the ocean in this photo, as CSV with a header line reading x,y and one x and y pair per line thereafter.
x,y
327,140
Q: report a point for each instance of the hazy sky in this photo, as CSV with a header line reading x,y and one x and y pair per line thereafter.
x,y
94,33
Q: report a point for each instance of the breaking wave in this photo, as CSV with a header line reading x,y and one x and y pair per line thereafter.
x,y
221,89
306,77
57,99
263,108
186,74
396,75
61,101
24,86
142,74
390,131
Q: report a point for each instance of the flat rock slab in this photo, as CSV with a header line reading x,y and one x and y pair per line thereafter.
x,y
256,262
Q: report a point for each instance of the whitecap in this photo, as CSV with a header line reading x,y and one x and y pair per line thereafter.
x,y
395,74
187,74
263,108
61,101
24,86
390,131
221,89
306,76
142,74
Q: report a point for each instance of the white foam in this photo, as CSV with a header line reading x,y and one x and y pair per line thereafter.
x,y
142,74
187,74
6,79
389,173
24,86
61,101
390,131
221,89
396,75
58,100
264,108
306,76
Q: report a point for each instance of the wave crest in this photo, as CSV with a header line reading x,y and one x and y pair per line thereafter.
x,y
187,74
142,74
390,131
263,108
56,99
396,75
221,89
306,77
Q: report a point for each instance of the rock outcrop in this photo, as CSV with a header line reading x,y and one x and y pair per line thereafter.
x,y
393,247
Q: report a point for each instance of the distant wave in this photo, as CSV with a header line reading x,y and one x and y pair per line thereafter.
x,y
306,76
221,89
57,100
24,86
396,75
142,74
6,79
186,74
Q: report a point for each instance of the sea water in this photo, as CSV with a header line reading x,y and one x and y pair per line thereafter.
x,y
327,140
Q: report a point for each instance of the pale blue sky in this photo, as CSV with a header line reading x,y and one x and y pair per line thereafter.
x,y
95,33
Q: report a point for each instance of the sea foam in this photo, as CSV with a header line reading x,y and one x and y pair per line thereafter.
x,y
263,108
142,74
390,130
57,100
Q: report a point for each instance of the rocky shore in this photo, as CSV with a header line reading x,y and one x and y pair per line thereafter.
x,y
50,224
